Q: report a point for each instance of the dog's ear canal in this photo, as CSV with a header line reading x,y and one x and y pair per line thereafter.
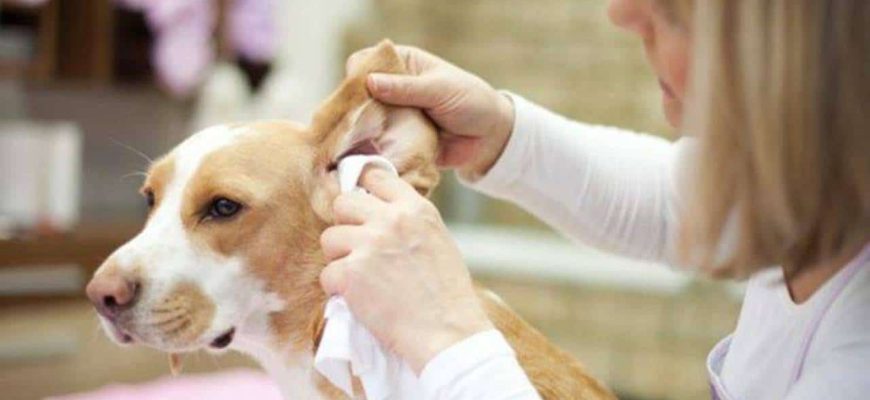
x,y
364,132
350,122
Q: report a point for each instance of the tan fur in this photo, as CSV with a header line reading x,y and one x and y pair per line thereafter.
x,y
275,231
282,173
555,373
184,314
158,177
335,120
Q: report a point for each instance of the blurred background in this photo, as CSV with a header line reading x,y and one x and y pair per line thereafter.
x,y
91,90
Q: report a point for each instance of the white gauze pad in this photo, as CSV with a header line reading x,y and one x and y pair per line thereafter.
x,y
351,167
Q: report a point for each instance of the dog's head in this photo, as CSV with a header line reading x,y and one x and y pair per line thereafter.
x,y
230,250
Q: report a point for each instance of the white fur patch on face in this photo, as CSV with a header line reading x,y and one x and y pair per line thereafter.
x,y
164,256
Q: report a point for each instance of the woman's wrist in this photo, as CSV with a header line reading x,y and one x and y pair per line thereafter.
x,y
493,144
427,345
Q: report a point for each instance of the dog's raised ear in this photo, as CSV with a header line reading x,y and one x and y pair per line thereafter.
x,y
350,122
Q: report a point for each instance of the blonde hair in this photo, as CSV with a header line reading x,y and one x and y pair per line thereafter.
x,y
779,100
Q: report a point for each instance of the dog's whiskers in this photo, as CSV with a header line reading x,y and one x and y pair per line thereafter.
x,y
166,310
143,174
167,320
172,324
132,149
175,330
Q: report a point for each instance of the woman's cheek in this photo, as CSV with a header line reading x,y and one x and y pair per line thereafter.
x,y
676,63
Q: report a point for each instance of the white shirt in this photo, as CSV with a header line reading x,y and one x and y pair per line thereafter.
x,y
617,190
819,349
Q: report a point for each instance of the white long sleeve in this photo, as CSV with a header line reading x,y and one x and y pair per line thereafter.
x,y
619,191
606,187
482,366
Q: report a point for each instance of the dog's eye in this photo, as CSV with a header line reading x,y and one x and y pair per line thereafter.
x,y
149,198
223,208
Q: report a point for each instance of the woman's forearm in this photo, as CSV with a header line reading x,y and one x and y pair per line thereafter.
x,y
607,187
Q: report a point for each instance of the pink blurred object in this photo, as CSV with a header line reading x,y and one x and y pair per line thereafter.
x,y
184,50
231,385
252,31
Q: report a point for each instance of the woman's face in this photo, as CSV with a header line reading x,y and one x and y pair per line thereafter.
x,y
667,46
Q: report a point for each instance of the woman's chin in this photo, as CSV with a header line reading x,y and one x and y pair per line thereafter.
x,y
673,110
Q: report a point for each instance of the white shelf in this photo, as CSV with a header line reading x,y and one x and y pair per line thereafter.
x,y
53,279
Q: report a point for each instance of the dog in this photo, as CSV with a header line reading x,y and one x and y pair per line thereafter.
x,y
229,257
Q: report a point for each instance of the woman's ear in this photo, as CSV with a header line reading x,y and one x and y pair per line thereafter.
x,y
350,122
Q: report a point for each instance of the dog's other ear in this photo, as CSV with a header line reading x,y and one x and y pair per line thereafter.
x,y
350,122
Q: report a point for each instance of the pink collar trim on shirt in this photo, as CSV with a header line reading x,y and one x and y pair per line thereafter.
x,y
839,285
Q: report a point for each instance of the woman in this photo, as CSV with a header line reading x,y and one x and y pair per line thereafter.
x,y
774,186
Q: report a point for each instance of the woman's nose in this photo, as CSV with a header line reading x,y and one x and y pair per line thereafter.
x,y
631,15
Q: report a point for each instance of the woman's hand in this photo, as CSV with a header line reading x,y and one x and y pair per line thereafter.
x,y
399,270
474,119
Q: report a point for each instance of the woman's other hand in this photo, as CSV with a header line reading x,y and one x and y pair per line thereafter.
x,y
475,120
393,260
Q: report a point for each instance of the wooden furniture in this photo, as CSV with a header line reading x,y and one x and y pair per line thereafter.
x,y
86,44
33,265
44,20
72,40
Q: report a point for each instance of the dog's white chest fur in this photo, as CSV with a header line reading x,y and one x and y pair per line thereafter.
x,y
293,372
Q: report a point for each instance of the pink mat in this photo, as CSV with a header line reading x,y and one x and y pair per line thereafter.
x,y
229,385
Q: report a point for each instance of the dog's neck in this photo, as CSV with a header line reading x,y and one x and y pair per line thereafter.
x,y
297,325
287,353
284,341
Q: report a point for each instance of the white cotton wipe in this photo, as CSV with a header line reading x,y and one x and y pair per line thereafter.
x,y
351,168
346,347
